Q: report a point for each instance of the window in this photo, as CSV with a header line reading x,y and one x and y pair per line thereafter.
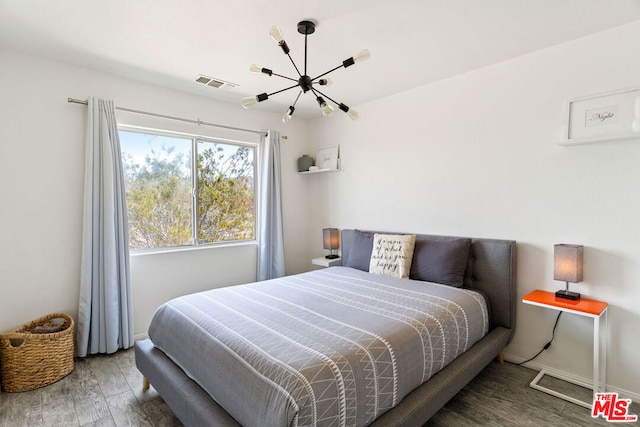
x,y
184,191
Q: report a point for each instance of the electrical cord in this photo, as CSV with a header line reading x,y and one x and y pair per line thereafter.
x,y
547,345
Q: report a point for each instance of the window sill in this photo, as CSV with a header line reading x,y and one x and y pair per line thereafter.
x,y
212,246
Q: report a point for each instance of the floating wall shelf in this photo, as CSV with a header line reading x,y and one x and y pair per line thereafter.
x,y
318,171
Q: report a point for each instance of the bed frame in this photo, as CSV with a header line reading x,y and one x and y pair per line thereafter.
x,y
491,269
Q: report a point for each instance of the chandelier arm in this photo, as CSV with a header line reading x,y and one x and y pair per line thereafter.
x,y
294,65
284,77
282,90
324,74
297,97
326,96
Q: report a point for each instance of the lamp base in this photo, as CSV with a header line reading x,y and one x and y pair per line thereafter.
x,y
567,295
332,256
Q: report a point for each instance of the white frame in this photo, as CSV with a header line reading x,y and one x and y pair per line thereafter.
x,y
328,158
603,117
257,155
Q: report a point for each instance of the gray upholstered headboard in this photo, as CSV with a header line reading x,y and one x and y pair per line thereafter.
x,y
491,268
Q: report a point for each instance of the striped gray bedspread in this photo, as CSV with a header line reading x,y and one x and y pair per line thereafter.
x,y
332,347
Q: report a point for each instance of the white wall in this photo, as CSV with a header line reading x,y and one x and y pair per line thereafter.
x,y
477,155
41,173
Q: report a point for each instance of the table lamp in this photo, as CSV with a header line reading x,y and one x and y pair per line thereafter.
x,y
331,241
567,266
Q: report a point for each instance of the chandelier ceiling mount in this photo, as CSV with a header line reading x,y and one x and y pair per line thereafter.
x,y
304,82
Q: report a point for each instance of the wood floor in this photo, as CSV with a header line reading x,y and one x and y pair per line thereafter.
x,y
107,391
101,391
500,396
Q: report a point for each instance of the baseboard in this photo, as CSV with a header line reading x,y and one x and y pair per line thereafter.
x,y
625,394
140,337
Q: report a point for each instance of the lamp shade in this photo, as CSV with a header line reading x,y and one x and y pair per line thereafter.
x,y
330,238
567,263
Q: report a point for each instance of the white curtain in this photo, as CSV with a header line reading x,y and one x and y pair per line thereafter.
x,y
270,239
105,320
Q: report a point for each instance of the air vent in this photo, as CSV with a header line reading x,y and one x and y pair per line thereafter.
x,y
216,83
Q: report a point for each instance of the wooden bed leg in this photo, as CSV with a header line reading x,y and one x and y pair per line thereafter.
x,y
145,384
500,358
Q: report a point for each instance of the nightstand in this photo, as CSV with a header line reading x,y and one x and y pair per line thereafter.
x,y
597,310
326,262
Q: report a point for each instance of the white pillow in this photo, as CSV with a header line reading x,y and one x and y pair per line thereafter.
x,y
392,254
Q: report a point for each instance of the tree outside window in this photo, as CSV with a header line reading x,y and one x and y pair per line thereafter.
x,y
174,201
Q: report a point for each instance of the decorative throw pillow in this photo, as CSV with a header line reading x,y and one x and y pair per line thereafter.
x,y
392,254
441,261
360,252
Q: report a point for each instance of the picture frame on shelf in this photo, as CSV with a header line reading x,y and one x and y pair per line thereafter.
x,y
328,158
605,117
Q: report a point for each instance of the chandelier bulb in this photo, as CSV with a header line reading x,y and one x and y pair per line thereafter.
x,y
255,68
362,56
249,101
327,110
286,118
325,82
353,114
276,34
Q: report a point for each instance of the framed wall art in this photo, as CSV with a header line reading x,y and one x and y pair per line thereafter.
x,y
605,117
327,158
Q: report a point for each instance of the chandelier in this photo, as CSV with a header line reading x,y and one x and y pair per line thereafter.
x,y
304,82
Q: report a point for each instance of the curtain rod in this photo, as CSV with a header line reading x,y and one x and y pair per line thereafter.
x,y
197,121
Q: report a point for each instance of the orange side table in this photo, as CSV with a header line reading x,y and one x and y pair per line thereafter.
x,y
597,310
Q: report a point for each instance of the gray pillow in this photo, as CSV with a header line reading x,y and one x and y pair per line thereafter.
x,y
440,261
360,251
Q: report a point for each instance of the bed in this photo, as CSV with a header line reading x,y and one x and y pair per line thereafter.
x,y
187,370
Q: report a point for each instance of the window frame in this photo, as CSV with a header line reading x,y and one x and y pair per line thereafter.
x,y
256,146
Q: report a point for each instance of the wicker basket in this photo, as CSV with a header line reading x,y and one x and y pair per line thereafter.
x,y
29,361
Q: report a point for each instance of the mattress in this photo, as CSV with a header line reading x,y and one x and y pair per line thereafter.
x,y
336,346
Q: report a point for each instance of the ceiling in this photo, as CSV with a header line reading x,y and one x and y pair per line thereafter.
x,y
412,42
